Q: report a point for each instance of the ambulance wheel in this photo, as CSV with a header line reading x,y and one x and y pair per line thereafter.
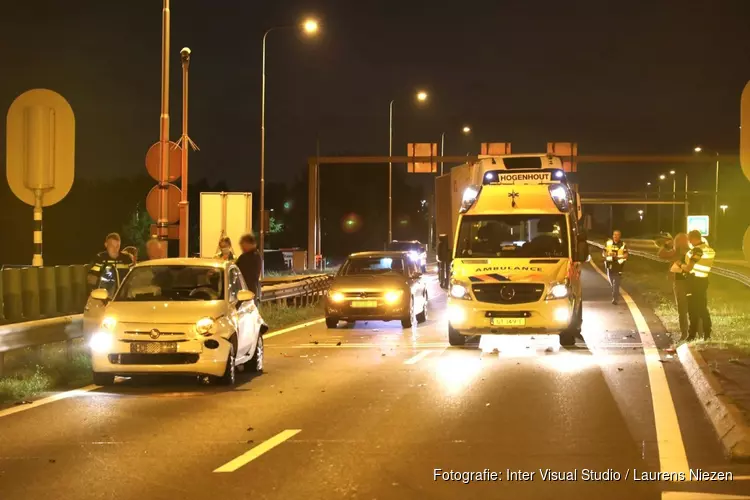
x,y
567,338
454,336
332,322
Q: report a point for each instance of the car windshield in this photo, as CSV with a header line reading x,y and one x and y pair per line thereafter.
x,y
172,283
405,246
529,236
372,265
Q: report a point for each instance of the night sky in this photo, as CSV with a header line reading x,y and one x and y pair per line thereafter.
x,y
617,77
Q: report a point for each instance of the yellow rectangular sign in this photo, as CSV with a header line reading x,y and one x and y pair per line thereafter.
x,y
421,149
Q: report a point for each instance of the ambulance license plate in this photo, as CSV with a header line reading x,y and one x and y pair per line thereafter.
x,y
365,303
508,321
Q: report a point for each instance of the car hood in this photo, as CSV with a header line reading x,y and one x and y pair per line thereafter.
x,y
506,269
368,282
172,312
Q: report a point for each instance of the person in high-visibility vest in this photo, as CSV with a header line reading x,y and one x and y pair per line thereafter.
x,y
675,251
615,254
109,267
697,266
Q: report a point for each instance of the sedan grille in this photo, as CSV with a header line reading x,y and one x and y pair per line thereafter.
x,y
363,295
508,293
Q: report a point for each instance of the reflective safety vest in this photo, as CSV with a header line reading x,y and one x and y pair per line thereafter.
x,y
702,268
619,247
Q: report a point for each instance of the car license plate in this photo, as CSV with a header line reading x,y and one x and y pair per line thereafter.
x,y
365,303
508,321
153,347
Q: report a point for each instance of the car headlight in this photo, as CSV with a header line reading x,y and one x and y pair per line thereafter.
x,y
109,323
337,297
460,291
101,342
558,291
393,296
204,326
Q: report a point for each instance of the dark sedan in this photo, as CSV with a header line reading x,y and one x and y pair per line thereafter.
x,y
383,286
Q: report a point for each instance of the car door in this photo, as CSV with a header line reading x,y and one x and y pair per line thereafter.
x,y
247,323
417,284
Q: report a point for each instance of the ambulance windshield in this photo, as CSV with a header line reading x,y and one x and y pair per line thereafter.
x,y
524,236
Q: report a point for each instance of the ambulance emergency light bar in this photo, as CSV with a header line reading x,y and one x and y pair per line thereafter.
x,y
543,176
559,193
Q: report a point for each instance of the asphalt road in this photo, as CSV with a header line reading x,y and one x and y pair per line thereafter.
x,y
374,417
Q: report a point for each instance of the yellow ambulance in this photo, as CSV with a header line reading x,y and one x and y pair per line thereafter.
x,y
517,252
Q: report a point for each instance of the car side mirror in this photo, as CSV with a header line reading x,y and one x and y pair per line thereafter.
x,y
100,294
245,295
583,252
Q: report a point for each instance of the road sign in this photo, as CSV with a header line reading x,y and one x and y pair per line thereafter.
x,y
422,149
745,131
699,222
40,155
175,161
495,148
173,203
567,151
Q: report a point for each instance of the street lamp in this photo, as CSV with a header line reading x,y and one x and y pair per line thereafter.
x,y
640,214
466,130
421,97
674,191
309,27
724,209
699,149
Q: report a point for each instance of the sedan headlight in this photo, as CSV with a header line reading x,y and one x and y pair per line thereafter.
x,y
101,342
393,296
459,291
204,326
558,291
109,323
337,297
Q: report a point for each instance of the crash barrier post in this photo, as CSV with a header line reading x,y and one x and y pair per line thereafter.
x,y
79,286
30,293
64,289
47,292
12,295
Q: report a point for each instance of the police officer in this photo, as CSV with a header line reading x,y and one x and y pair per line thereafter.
x,y
698,262
110,266
615,254
443,258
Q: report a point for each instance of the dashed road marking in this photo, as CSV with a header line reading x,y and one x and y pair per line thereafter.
x,y
257,451
418,357
672,455
292,328
691,495
51,399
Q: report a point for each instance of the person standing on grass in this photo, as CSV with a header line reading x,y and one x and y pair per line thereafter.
x,y
615,254
250,265
697,266
675,252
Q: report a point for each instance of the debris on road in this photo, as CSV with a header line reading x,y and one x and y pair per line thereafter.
x,y
314,342
338,343
486,404
250,429
619,369
52,460
24,402
250,441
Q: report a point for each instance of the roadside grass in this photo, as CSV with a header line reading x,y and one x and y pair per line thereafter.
x,y
728,301
34,371
277,317
31,372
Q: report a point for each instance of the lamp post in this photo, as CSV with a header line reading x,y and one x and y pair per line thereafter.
x,y
184,203
674,191
699,149
466,130
421,97
310,27
658,207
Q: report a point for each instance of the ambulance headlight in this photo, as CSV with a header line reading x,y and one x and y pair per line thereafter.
x,y
469,197
558,291
459,291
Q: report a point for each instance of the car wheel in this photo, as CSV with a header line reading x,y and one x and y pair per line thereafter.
x,y
454,336
406,322
567,338
422,316
332,322
230,372
256,362
103,379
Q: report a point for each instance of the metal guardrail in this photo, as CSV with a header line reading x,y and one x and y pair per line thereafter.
x,y
719,271
67,328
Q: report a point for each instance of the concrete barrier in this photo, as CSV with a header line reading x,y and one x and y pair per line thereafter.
x,y
64,289
12,301
30,293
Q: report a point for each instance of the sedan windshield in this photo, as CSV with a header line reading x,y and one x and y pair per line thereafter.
x,y
529,236
372,265
172,283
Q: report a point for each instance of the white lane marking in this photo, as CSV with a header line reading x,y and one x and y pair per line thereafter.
x,y
293,327
259,450
690,495
418,357
50,399
672,455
